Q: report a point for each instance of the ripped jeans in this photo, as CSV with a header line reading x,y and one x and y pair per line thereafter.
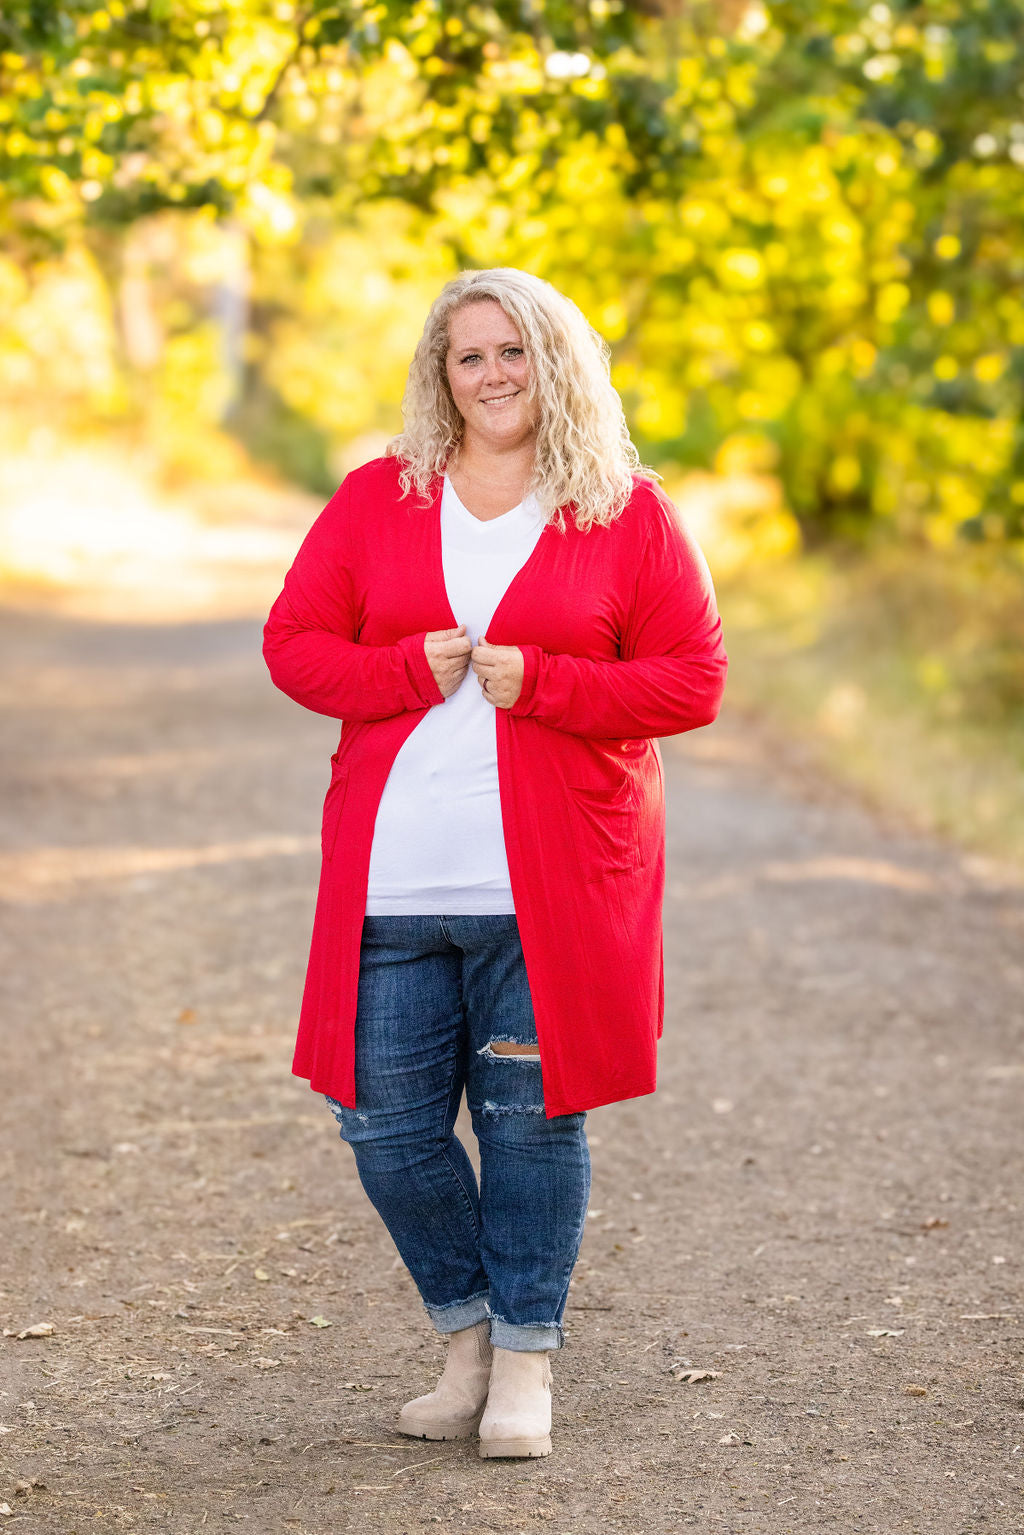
x,y
435,994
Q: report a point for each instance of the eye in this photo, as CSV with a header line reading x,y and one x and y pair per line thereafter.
x,y
510,351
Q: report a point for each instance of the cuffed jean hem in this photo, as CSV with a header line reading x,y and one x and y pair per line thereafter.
x,y
525,1338
464,1313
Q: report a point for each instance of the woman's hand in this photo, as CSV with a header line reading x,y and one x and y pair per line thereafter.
x,y
499,669
448,652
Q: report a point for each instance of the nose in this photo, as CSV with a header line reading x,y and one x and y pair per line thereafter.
x,y
496,373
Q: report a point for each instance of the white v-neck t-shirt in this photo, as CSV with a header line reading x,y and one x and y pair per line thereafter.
x,y
438,843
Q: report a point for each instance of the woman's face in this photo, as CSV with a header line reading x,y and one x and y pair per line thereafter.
x,y
489,374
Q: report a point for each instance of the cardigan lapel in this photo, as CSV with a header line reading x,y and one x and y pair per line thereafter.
x,y
523,574
533,562
436,555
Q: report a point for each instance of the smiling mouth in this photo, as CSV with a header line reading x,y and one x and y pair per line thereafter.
x,y
499,399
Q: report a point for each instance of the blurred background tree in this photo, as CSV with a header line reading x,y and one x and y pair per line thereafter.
x,y
799,226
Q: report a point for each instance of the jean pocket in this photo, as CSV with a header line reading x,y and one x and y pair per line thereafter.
x,y
333,802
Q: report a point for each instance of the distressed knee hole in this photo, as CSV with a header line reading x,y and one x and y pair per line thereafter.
x,y
492,1110
509,1047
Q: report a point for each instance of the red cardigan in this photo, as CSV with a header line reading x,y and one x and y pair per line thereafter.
x,y
622,643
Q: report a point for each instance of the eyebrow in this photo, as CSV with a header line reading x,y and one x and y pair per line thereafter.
x,y
474,346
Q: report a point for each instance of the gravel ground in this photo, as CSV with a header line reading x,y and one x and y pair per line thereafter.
x,y
820,1207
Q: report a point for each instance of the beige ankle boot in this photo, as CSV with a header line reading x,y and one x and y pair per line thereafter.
x,y
453,1409
517,1419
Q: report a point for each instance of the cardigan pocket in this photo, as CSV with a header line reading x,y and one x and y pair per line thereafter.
x,y
333,802
606,822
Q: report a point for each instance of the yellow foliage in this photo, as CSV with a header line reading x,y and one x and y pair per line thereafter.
x,y
759,336
14,287
844,473
862,357
741,268
989,368
941,308
892,299
271,215
661,414
55,184
738,514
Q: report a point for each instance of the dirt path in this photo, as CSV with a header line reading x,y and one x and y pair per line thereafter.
x,y
821,1204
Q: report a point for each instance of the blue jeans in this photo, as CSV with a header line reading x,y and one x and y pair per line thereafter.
x,y
434,994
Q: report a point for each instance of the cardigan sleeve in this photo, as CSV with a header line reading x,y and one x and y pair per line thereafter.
x,y
309,639
672,674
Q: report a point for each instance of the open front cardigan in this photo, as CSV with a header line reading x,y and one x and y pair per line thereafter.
x,y
622,643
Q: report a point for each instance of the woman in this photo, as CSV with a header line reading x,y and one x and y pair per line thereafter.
x,y
489,911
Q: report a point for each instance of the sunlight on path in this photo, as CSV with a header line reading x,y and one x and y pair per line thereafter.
x,y
95,537
51,873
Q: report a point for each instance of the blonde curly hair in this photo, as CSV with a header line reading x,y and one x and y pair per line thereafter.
x,y
585,459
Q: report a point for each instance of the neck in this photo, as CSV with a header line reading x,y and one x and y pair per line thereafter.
x,y
493,467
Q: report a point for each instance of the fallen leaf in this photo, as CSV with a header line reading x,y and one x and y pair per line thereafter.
x,y
37,1330
5,1510
320,1321
354,1385
266,1364
730,1439
916,1391
260,1274
691,1377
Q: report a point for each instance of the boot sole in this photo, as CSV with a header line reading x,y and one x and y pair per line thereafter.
x,y
419,1428
519,1449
